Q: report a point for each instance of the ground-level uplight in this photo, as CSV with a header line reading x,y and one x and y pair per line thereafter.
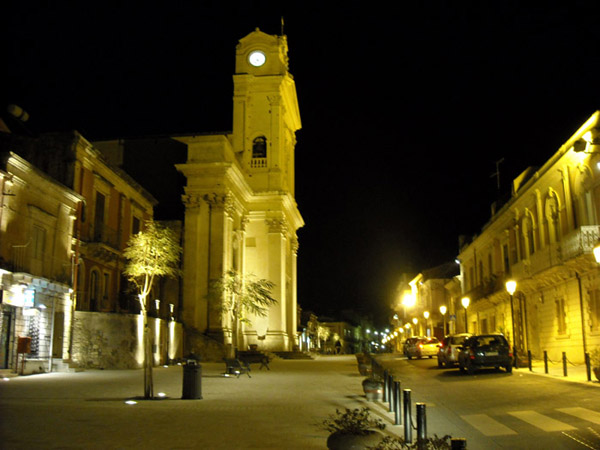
x,y
131,402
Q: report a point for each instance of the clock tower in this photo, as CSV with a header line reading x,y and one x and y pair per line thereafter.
x,y
241,214
265,112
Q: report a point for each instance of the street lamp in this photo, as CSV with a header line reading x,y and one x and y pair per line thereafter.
x,y
465,302
443,310
511,287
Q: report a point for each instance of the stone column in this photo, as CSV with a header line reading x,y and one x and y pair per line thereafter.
x,y
292,309
277,336
194,307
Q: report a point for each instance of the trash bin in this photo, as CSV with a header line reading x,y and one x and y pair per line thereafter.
x,y
192,380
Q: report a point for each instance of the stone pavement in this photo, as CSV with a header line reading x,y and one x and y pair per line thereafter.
x,y
280,408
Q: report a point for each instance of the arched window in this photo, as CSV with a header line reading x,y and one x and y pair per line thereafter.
x,y
259,147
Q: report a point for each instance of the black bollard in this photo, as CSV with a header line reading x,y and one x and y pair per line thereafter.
x,y
458,444
391,392
385,385
529,360
397,411
421,422
588,367
407,421
545,362
564,364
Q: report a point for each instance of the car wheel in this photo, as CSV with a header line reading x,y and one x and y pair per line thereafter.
x,y
440,363
430,356
462,369
508,368
409,357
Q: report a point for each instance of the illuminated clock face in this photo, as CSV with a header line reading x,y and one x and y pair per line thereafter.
x,y
257,58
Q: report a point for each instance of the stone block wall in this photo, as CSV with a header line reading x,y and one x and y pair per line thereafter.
x,y
113,341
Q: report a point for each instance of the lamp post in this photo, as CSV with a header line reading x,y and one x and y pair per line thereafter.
x,y
443,310
511,287
465,302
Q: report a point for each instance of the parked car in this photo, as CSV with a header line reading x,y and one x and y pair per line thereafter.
x,y
449,346
423,347
485,350
410,344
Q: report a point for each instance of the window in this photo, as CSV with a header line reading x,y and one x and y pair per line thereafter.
x,y
99,215
561,317
506,260
490,266
106,284
38,241
135,225
259,147
94,290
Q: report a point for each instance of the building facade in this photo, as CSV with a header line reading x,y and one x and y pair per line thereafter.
x,y
543,240
241,213
37,216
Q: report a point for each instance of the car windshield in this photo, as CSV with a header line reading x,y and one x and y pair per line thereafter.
x,y
431,341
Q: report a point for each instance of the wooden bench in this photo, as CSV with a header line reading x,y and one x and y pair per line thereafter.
x,y
234,366
251,357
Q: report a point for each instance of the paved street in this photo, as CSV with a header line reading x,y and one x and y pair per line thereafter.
x,y
494,409
282,407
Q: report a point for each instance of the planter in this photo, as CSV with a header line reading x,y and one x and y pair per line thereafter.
x,y
364,369
373,389
345,441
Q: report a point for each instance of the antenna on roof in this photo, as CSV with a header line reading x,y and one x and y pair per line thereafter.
x,y
497,173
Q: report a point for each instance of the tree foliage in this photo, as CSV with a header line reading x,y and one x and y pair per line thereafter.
x,y
242,295
151,253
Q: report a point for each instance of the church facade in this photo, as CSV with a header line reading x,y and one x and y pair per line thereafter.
x,y
240,209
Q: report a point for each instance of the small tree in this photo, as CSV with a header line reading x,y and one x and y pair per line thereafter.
x,y
241,295
151,253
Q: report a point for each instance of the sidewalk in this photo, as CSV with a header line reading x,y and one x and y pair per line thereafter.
x,y
281,408
575,372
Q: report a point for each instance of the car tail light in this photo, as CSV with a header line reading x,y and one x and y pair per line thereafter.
x,y
420,345
471,354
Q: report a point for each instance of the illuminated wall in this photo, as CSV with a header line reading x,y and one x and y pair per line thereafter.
x,y
543,239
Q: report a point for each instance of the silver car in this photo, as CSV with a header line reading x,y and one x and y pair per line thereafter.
x,y
447,355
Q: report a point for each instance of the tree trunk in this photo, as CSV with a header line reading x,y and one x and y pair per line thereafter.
x,y
148,382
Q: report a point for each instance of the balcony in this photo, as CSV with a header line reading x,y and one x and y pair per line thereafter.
x,y
107,236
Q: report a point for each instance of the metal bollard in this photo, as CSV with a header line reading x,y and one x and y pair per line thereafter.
x,y
529,360
545,362
458,444
588,367
391,393
421,422
564,364
397,413
385,385
407,421
515,357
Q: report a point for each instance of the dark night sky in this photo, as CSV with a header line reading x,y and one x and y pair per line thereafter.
x,y
404,112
